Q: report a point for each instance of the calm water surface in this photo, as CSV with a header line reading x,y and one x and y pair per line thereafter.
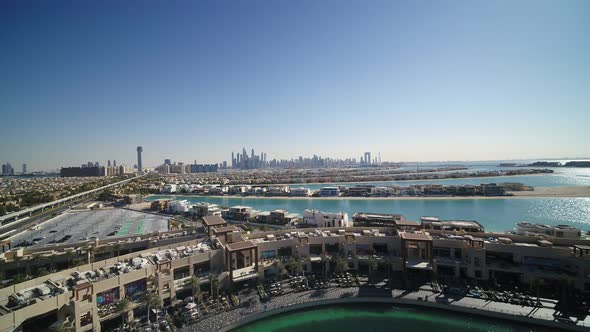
x,y
563,177
375,317
495,214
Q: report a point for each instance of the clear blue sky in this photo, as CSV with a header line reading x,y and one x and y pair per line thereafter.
x,y
414,80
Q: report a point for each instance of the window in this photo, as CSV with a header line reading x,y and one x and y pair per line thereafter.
x,y
478,273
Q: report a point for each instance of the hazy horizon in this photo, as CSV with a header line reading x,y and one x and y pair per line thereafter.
x,y
415,81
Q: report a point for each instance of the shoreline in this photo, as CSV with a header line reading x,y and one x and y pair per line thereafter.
x,y
540,192
380,181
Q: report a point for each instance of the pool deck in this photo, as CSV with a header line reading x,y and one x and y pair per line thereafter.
x,y
423,297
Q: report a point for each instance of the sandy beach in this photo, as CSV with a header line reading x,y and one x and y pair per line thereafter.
x,y
540,192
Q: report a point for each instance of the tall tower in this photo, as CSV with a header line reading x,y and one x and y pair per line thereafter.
x,y
24,168
368,157
139,168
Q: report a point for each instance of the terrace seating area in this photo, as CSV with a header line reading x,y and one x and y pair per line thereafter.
x,y
108,272
180,252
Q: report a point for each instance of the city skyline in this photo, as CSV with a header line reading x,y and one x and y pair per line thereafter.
x,y
417,82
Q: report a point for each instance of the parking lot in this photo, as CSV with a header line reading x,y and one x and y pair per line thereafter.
x,y
74,226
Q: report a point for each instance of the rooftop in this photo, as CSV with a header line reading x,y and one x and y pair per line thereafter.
x,y
240,245
225,229
415,236
213,221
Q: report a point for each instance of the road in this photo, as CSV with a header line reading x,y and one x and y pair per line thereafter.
x,y
33,209
15,228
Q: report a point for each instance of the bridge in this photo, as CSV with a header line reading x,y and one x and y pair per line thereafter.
x,y
28,212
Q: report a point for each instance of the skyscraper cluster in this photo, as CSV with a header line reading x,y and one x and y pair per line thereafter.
x,y
253,161
366,159
7,169
245,161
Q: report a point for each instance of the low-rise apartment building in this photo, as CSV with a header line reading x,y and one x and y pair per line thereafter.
x,y
315,218
330,192
204,209
239,213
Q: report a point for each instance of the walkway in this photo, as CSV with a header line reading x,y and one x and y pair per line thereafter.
x,y
424,296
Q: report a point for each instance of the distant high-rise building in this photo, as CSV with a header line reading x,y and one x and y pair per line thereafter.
x,y
96,164
367,157
24,170
114,163
4,169
139,168
109,163
167,162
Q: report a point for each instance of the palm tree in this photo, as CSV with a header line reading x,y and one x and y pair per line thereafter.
x,y
325,260
90,252
211,277
388,264
217,287
122,308
372,263
196,289
341,265
117,248
280,269
152,300
295,265
70,255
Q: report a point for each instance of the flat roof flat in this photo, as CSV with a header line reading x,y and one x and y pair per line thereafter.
x,y
240,245
407,223
415,236
213,220
225,229
379,215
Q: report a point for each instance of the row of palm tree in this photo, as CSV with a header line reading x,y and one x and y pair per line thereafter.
x,y
296,265
152,300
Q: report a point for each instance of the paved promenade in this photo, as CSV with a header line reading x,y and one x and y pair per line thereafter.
x,y
422,297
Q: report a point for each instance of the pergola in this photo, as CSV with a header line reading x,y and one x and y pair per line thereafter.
x,y
581,250
409,239
86,288
232,249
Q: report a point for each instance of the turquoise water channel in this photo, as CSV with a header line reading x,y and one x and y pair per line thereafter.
x,y
380,317
499,214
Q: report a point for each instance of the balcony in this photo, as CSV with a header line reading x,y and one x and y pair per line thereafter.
x,y
243,274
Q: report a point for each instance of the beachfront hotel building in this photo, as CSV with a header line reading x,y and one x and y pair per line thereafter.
x,y
87,295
